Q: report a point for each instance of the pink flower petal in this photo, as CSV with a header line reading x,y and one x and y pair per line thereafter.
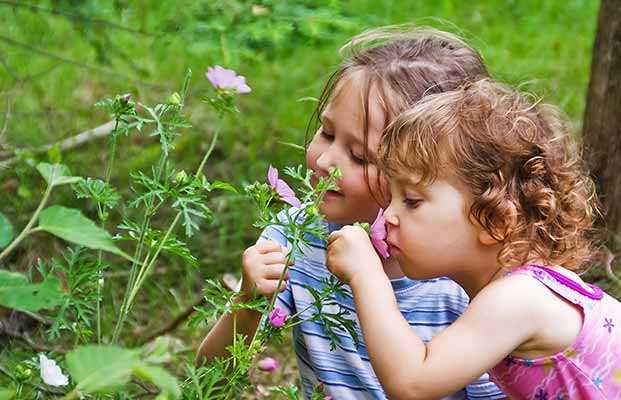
x,y
294,201
283,189
272,177
381,246
378,234
222,78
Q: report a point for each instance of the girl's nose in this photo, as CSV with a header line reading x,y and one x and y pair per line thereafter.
x,y
391,217
326,160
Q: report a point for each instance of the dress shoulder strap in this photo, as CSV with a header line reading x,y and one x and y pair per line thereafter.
x,y
560,283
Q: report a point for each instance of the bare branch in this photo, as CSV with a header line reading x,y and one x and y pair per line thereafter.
x,y
174,323
25,337
69,143
229,280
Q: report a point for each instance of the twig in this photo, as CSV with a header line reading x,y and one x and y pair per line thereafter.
x,y
106,71
25,337
69,143
147,389
174,323
83,19
228,280
40,319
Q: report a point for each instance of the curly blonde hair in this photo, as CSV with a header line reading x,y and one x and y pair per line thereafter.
x,y
529,185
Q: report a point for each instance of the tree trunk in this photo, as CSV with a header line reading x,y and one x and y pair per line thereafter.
x,y
602,120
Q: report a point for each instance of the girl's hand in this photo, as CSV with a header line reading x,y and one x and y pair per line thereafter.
x,y
350,254
262,265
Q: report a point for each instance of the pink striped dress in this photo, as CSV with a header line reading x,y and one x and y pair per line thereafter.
x,y
588,369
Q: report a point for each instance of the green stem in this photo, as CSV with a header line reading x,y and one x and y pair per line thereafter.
x,y
103,223
146,220
27,229
234,337
290,258
137,278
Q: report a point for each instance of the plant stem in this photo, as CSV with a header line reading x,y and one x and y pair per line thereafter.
x,y
146,220
234,336
290,258
137,278
27,229
103,222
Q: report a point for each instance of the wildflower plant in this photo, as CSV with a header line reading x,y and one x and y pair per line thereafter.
x,y
69,288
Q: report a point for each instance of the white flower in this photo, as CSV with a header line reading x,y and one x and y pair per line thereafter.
x,y
51,373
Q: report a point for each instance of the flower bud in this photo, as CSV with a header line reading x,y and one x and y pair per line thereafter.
x,y
269,364
174,99
22,373
181,177
277,317
312,210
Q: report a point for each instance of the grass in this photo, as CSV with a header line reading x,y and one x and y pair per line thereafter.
x,y
54,68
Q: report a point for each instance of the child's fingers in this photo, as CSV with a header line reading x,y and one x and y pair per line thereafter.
x,y
269,287
273,271
333,236
268,246
273,258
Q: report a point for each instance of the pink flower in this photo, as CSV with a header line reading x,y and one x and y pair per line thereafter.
x,y
222,78
283,190
277,317
328,398
269,364
378,234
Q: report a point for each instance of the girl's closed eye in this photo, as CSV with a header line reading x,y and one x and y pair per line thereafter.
x,y
325,134
412,202
357,159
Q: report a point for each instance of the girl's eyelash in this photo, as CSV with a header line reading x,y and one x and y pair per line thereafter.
x,y
325,134
357,159
411,203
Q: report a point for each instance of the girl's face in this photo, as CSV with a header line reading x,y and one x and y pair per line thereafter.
x,y
339,142
429,231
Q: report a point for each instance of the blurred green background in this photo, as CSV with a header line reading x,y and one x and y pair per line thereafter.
x,y
59,57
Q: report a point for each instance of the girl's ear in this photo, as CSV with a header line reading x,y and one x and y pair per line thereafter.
x,y
510,220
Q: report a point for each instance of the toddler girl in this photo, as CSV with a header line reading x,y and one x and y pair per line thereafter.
x,y
488,189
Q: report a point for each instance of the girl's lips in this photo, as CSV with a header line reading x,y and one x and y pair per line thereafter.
x,y
393,249
333,193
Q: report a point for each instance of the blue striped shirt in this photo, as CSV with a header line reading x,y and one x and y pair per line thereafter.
x,y
429,306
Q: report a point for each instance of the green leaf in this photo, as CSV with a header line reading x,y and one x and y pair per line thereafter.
x,y
101,369
56,174
222,186
69,224
167,383
6,394
16,292
6,231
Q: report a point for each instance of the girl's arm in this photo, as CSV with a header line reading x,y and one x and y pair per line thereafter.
x,y
496,322
221,335
262,265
